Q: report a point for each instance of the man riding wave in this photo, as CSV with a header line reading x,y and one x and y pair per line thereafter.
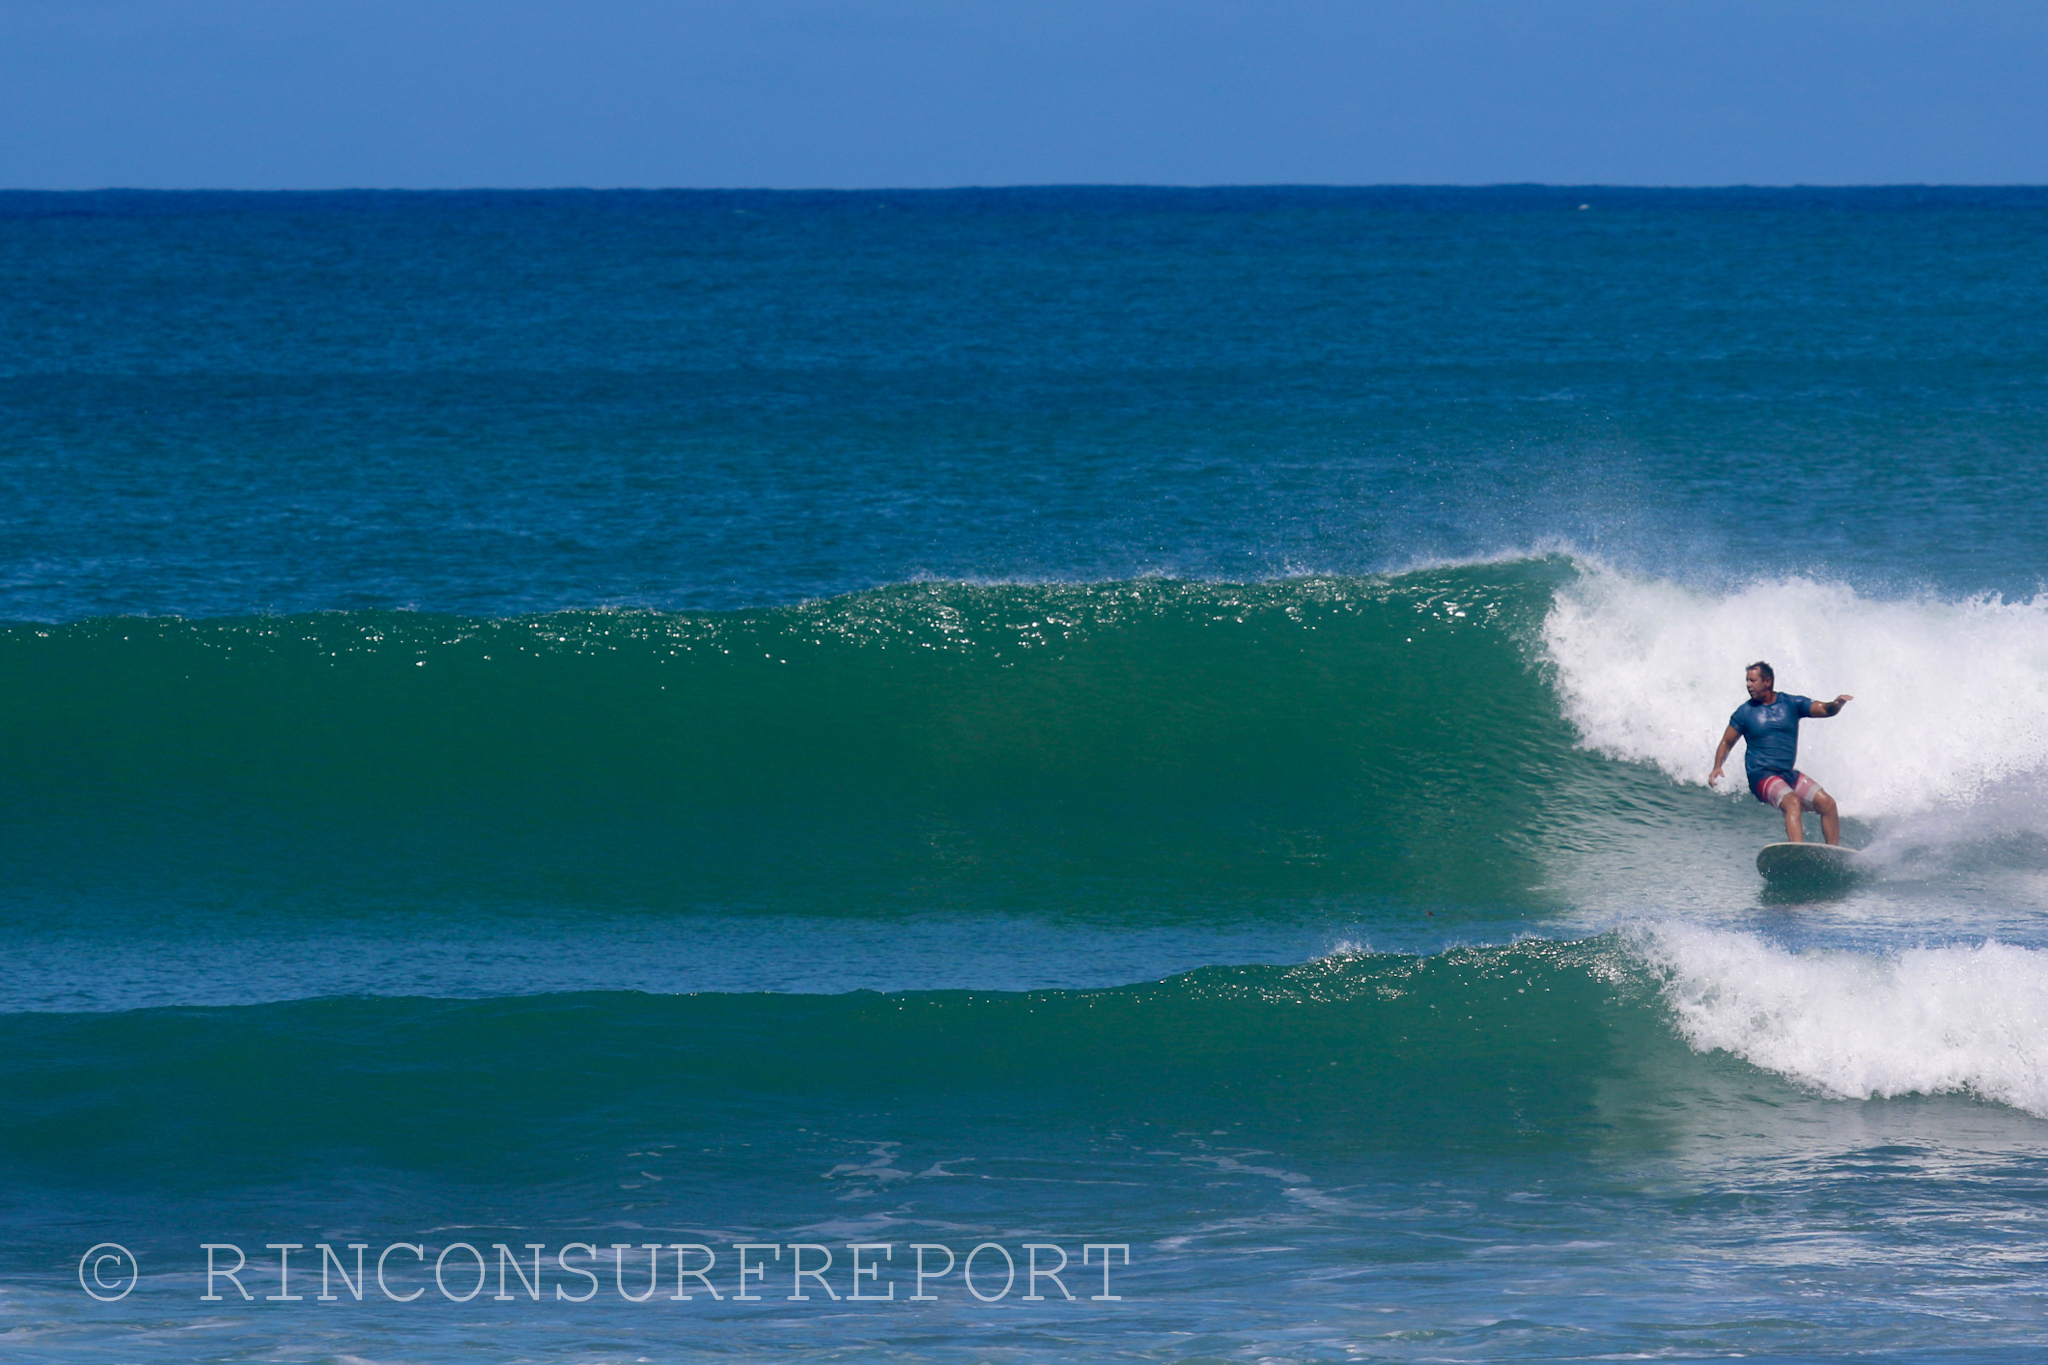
x,y
1769,723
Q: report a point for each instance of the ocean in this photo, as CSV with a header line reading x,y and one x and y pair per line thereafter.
x,y
1018,775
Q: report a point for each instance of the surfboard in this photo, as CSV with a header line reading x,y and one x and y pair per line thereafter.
x,y
1806,863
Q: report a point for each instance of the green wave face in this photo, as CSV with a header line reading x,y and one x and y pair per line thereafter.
x,y
1062,747
1483,1048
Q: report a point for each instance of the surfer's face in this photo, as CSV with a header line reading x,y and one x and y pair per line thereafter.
x,y
1758,688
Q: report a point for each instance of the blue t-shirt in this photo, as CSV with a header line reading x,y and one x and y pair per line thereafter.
x,y
1771,733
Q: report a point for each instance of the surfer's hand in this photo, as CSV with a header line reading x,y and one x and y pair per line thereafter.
x,y
1843,701
1713,777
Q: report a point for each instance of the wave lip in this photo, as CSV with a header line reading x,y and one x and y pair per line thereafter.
x,y
1927,1021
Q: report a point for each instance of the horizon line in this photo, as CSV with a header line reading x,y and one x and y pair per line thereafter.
x,y
1157,186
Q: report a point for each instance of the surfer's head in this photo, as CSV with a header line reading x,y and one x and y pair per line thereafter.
x,y
1759,679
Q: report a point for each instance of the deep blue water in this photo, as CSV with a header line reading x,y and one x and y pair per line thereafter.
x,y
1165,719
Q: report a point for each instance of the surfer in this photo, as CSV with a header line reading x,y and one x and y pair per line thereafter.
x,y
1769,722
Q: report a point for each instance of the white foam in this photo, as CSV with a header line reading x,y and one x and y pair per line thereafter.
x,y
1856,1025
1951,696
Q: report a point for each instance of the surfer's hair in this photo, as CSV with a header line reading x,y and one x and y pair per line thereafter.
x,y
1761,667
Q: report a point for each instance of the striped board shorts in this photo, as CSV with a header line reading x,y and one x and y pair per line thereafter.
x,y
1772,788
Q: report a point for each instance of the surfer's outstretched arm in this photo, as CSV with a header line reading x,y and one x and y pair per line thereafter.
x,y
1728,738
1821,710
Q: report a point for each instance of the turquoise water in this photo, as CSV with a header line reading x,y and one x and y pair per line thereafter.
x,y
1173,720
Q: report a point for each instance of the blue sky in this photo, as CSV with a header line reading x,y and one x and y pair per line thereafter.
x,y
265,94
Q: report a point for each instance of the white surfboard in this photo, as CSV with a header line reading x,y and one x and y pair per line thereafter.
x,y
1806,862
